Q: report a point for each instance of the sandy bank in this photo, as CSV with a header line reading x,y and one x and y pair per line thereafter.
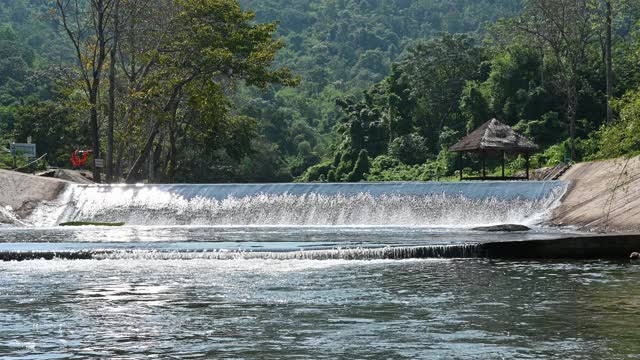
x,y
23,192
603,196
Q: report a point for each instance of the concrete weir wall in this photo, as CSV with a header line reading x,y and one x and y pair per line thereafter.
x,y
603,196
604,246
22,192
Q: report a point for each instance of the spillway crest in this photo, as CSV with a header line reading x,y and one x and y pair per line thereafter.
x,y
366,204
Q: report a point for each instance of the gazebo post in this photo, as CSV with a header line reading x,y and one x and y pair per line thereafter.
x,y
503,165
526,156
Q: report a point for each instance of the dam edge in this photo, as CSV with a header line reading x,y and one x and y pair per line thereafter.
x,y
591,186
585,247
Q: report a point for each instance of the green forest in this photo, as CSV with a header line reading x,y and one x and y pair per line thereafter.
x,y
207,91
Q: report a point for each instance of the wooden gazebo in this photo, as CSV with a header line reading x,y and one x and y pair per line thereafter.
x,y
494,138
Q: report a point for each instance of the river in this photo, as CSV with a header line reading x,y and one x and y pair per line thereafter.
x,y
293,272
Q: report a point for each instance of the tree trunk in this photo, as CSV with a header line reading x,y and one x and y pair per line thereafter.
x,y
172,105
81,33
172,146
112,92
137,165
117,170
155,162
609,62
95,136
123,139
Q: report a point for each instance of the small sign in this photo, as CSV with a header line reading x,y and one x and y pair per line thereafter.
x,y
28,150
99,163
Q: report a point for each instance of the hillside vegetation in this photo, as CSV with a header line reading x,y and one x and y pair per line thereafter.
x,y
326,90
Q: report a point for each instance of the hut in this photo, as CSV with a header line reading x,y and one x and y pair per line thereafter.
x,y
494,138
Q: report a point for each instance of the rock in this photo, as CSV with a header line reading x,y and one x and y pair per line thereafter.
x,y
8,217
502,228
634,256
22,193
74,176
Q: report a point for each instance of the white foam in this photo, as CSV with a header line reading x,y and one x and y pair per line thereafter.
x,y
158,205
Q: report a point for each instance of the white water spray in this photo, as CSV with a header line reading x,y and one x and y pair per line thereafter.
x,y
394,204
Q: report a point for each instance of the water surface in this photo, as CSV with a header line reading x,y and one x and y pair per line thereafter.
x,y
463,309
302,271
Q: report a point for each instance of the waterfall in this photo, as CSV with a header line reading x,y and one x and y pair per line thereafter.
x,y
433,204
383,253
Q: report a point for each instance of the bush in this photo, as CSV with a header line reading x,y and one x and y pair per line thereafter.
x,y
315,172
361,167
331,176
553,156
623,136
410,149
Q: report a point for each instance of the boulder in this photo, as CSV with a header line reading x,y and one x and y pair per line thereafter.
x,y
74,176
21,193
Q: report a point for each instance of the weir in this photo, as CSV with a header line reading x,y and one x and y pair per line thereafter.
x,y
615,246
460,204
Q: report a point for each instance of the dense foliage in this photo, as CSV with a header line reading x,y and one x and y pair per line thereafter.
x,y
199,91
340,48
542,72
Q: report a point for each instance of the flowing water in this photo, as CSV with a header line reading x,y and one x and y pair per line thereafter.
x,y
304,271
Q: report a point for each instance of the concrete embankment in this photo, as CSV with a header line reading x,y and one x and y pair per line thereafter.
x,y
604,196
605,246
22,193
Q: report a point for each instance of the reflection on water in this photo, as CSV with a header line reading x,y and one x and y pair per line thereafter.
x,y
465,309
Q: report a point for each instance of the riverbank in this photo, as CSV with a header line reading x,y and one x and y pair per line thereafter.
x,y
603,196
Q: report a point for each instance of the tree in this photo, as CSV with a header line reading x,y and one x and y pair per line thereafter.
x,y
213,46
142,29
112,90
622,137
438,71
564,28
474,106
609,59
361,167
51,126
87,25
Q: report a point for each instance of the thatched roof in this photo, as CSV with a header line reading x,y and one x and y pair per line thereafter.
x,y
494,136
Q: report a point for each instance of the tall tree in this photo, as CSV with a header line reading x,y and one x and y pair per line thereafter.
x,y
112,90
565,28
143,31
214,44
438,71
609,59
87,23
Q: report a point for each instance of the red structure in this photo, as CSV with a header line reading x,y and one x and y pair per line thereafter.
x,y
79,158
